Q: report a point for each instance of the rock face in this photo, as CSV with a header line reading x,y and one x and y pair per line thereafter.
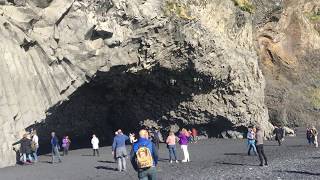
x,y
288,42
79,67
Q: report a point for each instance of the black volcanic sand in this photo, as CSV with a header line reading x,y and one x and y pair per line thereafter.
x,y
210,159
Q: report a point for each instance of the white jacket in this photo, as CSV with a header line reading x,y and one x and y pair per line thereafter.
x,y
35,139
95,143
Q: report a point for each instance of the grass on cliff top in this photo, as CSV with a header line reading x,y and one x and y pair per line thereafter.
x,y
245,5
177,9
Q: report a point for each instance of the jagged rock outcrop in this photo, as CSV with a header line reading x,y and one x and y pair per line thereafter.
x,y
82,66
288,42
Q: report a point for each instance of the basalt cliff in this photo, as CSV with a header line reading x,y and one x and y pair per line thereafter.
x,y
79,67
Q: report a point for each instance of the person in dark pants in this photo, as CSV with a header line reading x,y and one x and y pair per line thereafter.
x,y
279,133
309,136
149,172
95,145
25,148
156,138
260,150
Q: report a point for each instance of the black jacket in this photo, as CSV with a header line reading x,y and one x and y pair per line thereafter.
x,y
25,147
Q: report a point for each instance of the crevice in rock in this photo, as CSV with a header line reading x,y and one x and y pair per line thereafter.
x,y
63,15
26,45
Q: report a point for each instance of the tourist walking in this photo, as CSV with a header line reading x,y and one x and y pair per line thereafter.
x,y
314,133
35,145
183,141
144,157
309,136
65,145
55,148
95,145
25,149
119,150
171,144
156,138
279,134
260,150
194,135
251,136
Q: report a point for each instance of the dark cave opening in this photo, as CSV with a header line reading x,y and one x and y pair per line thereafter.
x,y
121,99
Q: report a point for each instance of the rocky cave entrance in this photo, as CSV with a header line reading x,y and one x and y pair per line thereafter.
x,y
121,99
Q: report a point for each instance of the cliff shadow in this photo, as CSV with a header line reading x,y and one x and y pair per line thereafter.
x,y
121,99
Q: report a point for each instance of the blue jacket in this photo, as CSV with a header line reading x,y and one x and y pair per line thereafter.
x,y
147,143
119,141
54,141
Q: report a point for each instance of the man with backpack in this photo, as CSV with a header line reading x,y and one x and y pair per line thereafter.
x,y
144,157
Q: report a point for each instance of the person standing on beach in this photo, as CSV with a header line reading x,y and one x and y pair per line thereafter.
x,y
314,133
183,141
119,150
95,145
260,150
55,147
65,145
35,145
25,148
144,157
171,142
279,134
251,136
194,135
156,138
309,136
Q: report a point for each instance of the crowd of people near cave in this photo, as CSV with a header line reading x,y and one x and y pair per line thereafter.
x,y
149,140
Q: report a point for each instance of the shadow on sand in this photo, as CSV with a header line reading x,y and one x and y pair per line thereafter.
x,y
236,164
106,168
302,172
106,162
235,154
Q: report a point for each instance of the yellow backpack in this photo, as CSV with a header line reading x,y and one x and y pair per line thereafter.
x,y
144,158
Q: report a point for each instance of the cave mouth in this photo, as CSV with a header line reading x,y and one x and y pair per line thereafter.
x,y
121,99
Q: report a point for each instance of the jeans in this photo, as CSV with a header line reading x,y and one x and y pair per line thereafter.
x,y
24,155
122,164
261,154
55,154
185,152
94,152
251,144
35,154
172,152
147,174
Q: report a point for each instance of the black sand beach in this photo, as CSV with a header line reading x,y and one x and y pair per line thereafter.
x,y
210,159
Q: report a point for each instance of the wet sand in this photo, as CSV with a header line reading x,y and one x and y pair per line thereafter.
x,y
210,159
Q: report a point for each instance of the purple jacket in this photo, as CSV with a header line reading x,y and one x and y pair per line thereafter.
x,y
183,139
